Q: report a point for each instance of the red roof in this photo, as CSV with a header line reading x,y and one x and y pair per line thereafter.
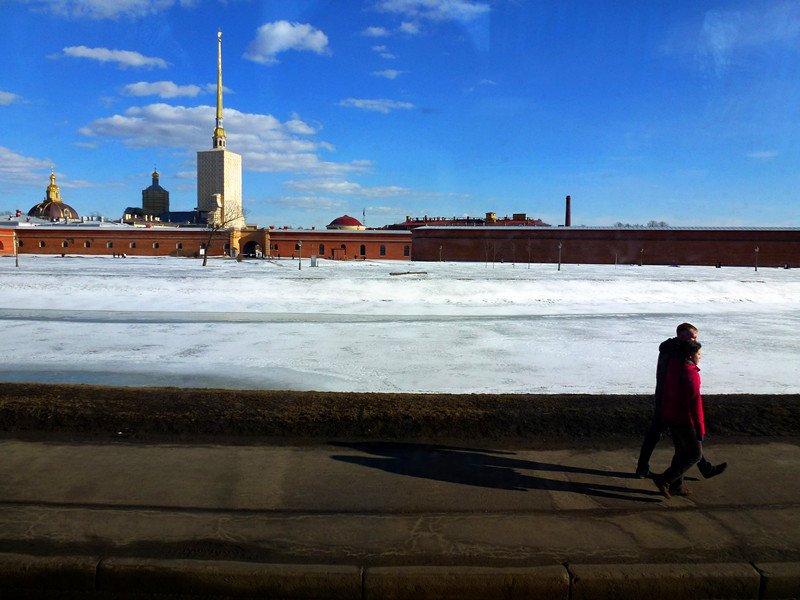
x,y
345,221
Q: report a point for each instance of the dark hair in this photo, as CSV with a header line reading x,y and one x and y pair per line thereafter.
x,y
685,327
688,348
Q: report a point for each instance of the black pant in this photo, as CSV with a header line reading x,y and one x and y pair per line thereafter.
x,y
652,437
688,450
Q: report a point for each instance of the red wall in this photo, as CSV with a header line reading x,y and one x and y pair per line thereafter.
x,y
283,243
98,240
6,242
729,247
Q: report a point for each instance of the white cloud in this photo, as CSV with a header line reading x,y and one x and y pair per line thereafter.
x,y
123,58
763,155
410,28
163,89
345,188
299,127
435,10
264,142
388,73
383,51
7,98
309,203
279,36
376,105
23,170
105,9
724,35
376,32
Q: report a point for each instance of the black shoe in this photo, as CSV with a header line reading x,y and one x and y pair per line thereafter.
x,y
715,470
662,486
644,473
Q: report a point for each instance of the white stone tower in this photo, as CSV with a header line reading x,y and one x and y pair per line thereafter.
x,y
219,171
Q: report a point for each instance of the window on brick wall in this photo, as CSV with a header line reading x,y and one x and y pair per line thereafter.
x,y
110,245
64,244
383,250
179,245
41,244
155,244
406,250
321,249
132,245
86,244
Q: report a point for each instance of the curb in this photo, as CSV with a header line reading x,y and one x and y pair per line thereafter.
x,y
27,576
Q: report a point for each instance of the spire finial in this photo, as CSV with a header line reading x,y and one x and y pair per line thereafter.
x,y
219,131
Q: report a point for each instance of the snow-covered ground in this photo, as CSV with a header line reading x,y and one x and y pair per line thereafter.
x,y
391,326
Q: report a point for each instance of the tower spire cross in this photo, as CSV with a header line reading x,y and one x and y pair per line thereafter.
x,y
219,131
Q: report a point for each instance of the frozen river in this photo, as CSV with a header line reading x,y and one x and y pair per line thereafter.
x,y
391,326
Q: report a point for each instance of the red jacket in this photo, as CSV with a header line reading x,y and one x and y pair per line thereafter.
x,y
682,402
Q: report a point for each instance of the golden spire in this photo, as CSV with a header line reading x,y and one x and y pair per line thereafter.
x,y
53,193
219,132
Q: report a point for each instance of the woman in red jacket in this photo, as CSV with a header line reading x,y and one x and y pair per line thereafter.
x,y
682,412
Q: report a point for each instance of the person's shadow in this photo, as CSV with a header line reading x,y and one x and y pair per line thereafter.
x,y
482,468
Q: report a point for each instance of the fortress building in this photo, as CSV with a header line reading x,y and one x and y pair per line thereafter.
x,y
52,207
219,171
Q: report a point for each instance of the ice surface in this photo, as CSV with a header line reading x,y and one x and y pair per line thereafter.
x,y
391,326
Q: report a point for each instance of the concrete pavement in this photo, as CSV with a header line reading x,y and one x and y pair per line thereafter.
x,y
376,519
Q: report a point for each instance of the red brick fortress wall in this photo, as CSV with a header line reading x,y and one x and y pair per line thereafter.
x,y
673,246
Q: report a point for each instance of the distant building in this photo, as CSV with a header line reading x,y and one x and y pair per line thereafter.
x,y
219,171
155,199
52,207
517,220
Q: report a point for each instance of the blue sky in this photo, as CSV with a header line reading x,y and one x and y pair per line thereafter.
x,y
683,112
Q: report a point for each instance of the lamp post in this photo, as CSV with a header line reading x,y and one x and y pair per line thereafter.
x,y
300,257
16,249
559,256
756,258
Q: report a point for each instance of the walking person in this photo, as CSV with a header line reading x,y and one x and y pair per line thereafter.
x,y
668,350
682,411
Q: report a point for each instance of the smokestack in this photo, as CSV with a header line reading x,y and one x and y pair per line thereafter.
x,y
568,216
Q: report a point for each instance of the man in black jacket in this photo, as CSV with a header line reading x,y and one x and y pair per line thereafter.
x,y
668,350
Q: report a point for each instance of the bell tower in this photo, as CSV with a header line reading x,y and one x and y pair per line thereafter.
x,y
219,171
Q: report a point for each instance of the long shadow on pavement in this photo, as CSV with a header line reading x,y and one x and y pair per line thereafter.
x,y
483,468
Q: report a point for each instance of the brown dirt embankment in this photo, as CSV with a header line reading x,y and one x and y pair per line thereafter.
x,y
235,416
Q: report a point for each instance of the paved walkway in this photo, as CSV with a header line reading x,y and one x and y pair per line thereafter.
x,y
390,505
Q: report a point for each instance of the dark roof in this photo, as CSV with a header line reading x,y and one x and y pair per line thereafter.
x,y
53,210
186,216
